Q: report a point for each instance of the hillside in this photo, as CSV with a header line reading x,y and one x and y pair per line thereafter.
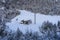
x,y
51,7
27,15
29,19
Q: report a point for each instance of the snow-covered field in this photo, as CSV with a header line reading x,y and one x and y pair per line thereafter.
x,y
26,15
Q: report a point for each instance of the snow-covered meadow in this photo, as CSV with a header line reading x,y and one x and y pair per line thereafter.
x,y
27,15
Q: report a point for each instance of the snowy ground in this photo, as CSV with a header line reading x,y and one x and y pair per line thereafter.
x,y
26,15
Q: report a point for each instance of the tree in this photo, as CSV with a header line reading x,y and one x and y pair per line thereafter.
x,y
18,34
58,23
28,35
49,30
2,28
36,36
10,36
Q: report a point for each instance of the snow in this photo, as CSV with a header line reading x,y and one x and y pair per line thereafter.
x,y
26,15
2,8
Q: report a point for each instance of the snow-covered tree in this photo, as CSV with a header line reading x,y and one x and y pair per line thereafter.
x,y
18,34
58,23
49,30
3,31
